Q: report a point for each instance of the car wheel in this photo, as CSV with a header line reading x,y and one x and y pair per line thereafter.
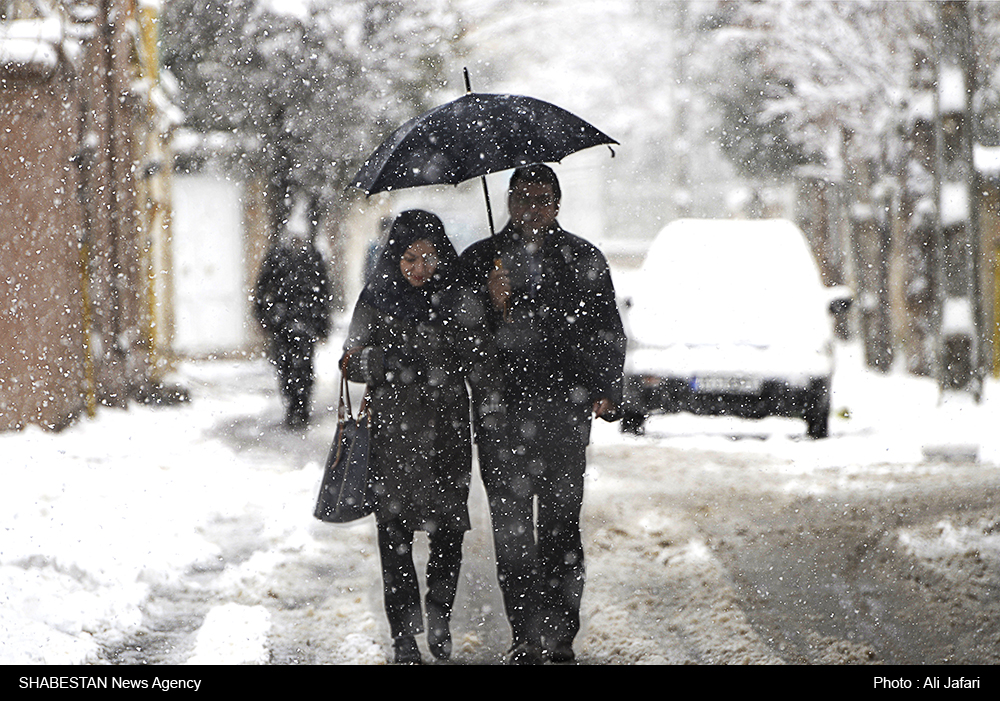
x,y
817,414
633,423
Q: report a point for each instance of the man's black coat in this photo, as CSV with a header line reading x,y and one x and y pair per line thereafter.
x,y
562,335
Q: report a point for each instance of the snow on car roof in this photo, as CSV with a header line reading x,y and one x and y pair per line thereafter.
x,y
766,244
744,281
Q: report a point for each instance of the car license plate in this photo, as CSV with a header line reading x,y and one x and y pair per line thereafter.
x,y
726,385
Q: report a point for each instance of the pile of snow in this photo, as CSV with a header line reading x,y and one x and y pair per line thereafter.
x,y
233,634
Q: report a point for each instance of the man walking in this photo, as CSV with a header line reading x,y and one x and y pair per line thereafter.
x,y
292,305
562,345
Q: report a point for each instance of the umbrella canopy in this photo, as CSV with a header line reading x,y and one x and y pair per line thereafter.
x,y
473,136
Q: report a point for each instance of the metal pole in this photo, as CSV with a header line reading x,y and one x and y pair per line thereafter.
x,y
486,190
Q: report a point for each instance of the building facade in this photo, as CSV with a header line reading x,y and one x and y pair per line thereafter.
x,y
82,213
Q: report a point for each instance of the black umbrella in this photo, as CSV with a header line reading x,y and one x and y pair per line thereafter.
x,y
473,136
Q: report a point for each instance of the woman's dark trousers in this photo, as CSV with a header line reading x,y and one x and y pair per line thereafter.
x,y
399,577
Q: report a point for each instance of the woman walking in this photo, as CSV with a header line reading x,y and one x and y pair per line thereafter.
x,y
415,338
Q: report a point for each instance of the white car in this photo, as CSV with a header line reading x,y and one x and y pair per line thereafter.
x,y
729,317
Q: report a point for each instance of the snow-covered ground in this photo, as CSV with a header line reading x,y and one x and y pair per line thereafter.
x,y
97,516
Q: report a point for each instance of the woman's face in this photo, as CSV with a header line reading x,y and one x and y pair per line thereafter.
x,y
419,263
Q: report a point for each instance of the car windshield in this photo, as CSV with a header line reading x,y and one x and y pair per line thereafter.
x,y
710,283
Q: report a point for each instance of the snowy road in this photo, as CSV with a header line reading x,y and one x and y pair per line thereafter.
x,y
184,536
739,558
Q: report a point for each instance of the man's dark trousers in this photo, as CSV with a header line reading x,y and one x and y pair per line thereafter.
x,y
551,437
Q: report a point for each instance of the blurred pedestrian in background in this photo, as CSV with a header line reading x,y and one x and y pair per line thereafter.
x,y
292,304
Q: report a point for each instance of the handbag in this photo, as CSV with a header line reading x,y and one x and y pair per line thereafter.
x,y
345,492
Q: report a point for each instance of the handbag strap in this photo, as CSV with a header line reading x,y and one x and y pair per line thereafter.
x,y
345,399
345,394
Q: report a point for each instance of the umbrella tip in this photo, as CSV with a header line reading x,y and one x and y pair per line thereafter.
x,y
468,84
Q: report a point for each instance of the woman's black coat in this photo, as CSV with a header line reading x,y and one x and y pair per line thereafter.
x,y
417,349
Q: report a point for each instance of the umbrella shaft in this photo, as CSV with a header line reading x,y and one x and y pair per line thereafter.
x,y
489,208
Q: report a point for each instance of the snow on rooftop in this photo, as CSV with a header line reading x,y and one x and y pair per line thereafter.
x,y
28,52
30,43
37,43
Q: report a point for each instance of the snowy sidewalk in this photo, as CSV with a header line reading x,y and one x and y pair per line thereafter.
x,y
98,516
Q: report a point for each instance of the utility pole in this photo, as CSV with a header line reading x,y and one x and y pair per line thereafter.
x,y
958,368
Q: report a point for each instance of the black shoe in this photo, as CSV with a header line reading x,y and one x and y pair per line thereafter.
x,y
406,649
561,652
438,632
525,654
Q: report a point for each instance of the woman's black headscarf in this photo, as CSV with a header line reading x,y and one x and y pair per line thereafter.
x,y
389,292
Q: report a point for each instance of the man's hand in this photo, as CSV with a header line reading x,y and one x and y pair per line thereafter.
x,y
498,284
605,409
